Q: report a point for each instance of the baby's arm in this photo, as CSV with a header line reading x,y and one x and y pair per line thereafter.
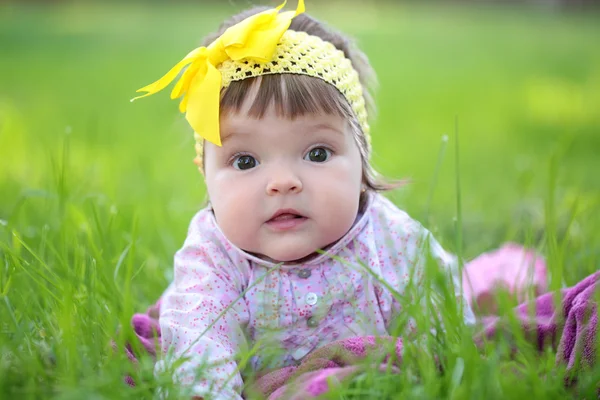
x,y
202,318
416,259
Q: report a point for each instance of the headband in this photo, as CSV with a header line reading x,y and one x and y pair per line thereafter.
x,y
261,44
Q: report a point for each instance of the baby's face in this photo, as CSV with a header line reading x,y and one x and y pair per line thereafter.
x,y
284,188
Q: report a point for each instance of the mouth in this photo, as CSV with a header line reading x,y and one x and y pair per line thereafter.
x,y
286,219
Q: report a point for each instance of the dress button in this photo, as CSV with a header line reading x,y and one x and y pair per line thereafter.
x,y
300,353
304,273
311,299
312,322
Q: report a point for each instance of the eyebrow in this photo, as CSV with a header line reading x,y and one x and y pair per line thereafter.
x,y
313,128
226,136
234,133
326,126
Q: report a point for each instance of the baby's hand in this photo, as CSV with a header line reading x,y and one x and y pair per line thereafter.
x,y
511,268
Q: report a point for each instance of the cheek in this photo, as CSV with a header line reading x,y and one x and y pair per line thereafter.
x,y
234,201
227,196
346,177
339,192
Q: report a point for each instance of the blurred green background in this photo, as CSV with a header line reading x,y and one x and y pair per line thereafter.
x,y
519,84
97,192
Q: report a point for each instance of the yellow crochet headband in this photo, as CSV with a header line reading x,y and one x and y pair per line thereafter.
x,y
259,45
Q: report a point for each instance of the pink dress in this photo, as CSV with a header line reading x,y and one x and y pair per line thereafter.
x,y
224,301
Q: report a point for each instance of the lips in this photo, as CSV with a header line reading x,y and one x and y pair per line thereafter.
x,y
286,219
285,214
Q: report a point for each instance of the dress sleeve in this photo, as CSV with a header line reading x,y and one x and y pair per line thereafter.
x,y
448,264
203,318
413,261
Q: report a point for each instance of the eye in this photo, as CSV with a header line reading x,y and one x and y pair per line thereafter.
x,y
318,155
244,162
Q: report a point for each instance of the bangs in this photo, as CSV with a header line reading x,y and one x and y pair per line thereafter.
x,y
292,95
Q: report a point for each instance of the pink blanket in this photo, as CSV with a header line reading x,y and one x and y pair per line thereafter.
x,y
570,329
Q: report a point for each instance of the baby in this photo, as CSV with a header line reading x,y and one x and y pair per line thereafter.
x,y
297,248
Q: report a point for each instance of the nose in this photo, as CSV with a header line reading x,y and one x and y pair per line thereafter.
x,y
283,181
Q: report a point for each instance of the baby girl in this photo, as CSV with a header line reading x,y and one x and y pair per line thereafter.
x,y
297,247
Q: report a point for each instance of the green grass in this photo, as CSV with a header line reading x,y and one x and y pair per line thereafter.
x,y
97,192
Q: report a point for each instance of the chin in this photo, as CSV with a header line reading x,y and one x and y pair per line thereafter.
x,y
286,256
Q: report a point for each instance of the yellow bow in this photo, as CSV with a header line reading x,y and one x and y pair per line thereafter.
x,y
254,38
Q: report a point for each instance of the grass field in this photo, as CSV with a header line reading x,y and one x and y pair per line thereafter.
x,y
96,192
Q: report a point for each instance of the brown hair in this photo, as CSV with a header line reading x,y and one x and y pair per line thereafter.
x,y
295,95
